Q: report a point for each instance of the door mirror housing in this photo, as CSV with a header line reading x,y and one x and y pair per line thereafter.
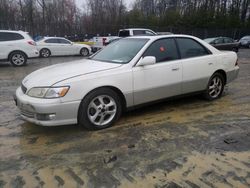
x,y
148,60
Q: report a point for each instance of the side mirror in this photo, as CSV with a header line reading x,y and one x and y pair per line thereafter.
x,y
148,60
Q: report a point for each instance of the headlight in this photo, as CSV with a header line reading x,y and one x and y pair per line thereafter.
x,y
48,93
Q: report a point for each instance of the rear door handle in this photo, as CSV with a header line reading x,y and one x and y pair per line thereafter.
x,y
210,63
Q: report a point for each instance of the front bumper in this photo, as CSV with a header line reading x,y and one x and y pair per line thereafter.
x,y
33,53
46,112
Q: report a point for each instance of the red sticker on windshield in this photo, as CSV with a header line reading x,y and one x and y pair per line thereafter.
x,y
162,49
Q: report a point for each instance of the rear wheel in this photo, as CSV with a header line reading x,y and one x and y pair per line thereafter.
x,y
18,59
99,109
45,52
84,52
215,87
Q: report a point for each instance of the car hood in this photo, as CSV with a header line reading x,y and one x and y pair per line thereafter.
x,y
48,76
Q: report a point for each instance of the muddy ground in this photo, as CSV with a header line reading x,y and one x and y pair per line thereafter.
x,y
188,142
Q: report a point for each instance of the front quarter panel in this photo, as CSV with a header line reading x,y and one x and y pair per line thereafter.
x,y
80,86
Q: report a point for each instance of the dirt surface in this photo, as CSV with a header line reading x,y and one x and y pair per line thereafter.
x,y
188,142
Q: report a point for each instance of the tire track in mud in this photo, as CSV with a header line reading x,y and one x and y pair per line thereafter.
x,y
173,144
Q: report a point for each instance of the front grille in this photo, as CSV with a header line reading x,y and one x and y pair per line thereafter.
x,y
27,113
24,89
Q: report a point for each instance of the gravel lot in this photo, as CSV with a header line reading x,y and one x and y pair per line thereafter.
x,y
187,142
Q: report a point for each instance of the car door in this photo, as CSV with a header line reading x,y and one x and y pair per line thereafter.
x,y
219,44
4,46
67,48
160,80
198,64
53,45
229,43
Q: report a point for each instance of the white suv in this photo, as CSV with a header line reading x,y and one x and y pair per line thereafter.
x,y
17,47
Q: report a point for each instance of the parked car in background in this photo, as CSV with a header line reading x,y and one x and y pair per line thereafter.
x,y
100,42
58,46
135,32
132,71
17,47
223,43
245,41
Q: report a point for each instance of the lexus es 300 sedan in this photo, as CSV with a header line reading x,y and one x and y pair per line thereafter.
x,y
132,71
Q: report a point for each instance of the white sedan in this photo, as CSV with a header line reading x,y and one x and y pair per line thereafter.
x,y
132,71
57,46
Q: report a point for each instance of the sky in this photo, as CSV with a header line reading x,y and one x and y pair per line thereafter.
x,y
81,2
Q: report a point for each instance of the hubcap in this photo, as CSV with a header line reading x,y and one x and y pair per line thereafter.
x,y
102,110
45,53
215,87
85,52
18,59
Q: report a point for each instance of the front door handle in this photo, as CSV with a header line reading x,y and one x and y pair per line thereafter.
x,y
210,63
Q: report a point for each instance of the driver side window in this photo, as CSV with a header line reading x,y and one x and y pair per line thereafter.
x,y
163,50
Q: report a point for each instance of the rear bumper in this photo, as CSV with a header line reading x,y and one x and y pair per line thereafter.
x,y
46,112
232,75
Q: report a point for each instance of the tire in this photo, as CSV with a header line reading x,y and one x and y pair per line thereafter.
x,y
99,109
215,87
18,59
45,53
84,52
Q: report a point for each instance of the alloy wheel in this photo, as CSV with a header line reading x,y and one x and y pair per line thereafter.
x,y
18,59
102,110
215,87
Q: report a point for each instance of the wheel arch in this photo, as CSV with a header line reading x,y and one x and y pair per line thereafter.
x,y
46,49
17,51
223,73
115,89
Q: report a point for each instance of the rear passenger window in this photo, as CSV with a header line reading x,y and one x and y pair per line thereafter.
x,y
228,40
163,50
51,41
139,32
8,36
191,48
63,41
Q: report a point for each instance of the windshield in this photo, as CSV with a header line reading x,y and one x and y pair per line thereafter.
x,y
121,52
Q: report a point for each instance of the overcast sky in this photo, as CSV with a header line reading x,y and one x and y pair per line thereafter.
x,y
81,2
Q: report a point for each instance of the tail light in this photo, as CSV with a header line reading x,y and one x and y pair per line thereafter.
x,y
104,41
32,43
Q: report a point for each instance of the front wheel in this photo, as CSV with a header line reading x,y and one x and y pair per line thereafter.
x,y
99,109
18,59
84,52
215,87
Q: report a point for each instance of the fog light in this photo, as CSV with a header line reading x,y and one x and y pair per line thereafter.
x,y
45,117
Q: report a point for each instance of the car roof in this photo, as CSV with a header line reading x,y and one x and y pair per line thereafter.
x,y
13,31
135,29
54,38
162,36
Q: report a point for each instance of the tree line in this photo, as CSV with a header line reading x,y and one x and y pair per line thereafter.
x,y
63,17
